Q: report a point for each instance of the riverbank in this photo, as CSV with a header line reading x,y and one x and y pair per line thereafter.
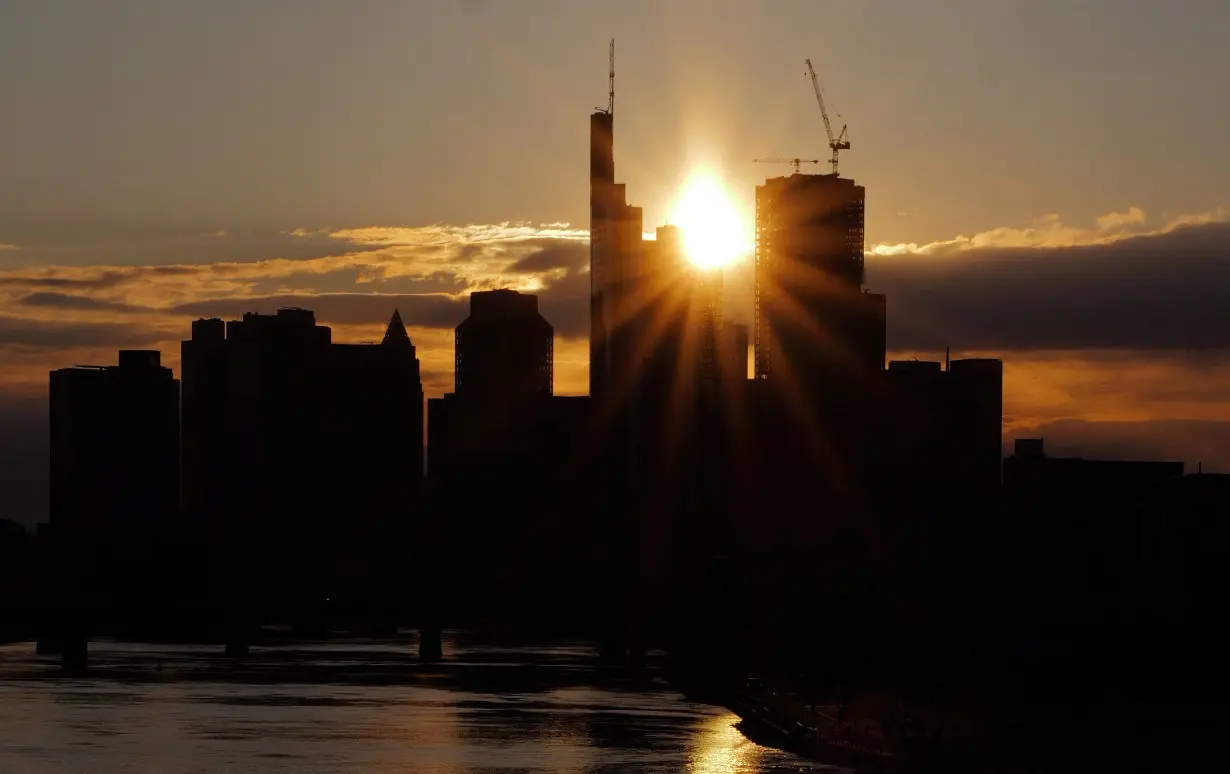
x,y
869,731
880,734
811,733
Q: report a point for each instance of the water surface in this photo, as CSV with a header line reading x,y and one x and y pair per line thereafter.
x,y
358,706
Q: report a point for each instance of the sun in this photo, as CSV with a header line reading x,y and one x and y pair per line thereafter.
x,y
712,224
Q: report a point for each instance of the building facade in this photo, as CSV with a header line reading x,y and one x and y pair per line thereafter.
x,y
503,386
114,448
617,266
812,318
287,432
505,349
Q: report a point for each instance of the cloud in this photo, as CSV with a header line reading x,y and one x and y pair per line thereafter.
x,y
54,278
5,246
423,310
458,258
1051,231
1195,442
1120,325
1117,284
1115,221
1164,290
71,301
75,243
568,255
55,335
563,301
24,458
442,234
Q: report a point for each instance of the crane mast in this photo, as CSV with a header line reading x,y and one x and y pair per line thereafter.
x,y
837,143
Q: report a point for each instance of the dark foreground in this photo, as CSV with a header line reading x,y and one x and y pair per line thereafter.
x,y
360,706
880,733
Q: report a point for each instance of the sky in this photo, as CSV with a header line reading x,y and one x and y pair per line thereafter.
x,y
1047,180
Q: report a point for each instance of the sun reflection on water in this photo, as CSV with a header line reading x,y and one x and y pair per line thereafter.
x,y
721,749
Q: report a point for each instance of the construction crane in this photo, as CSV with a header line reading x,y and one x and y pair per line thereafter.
x,y
610,104
839,142
783,160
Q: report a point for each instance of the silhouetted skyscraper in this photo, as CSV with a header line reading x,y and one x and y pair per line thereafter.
x,y
939,433
820,344
813,323
374,425
733,345
504,349
676,323
114,448
503,383
286,431
616,263
978,418
272,445
203,375
1085,484
507,460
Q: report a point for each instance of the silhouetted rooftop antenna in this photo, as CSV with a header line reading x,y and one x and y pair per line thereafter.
x,y
610,104
839,142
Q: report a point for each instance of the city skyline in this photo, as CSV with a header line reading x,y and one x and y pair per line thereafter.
x,y
87,269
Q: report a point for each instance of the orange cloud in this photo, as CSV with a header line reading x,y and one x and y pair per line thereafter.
x,y
1051,231
477,256
456,235
1108,386
1117,404
58,315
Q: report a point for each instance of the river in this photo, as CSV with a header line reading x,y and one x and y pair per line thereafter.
x,y
361,706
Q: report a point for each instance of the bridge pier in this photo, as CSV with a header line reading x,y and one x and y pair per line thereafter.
x,y
65,634
430,647
49,645
612,649
75,653
238,637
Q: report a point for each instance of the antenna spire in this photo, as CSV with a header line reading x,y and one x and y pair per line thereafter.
x,y
610,105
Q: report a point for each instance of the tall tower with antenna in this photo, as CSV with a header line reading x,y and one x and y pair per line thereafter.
x,y
614,252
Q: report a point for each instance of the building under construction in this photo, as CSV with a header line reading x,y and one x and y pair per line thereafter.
x,y
812,315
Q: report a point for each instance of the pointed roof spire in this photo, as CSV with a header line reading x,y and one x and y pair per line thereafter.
x,y
396,332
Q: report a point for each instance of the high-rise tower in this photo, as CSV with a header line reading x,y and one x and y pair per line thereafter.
x,y
812,317
285,429
614,259
504,349
114,448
